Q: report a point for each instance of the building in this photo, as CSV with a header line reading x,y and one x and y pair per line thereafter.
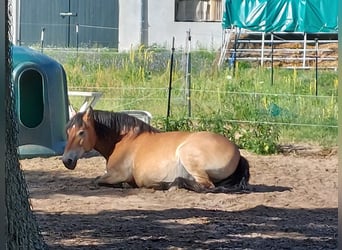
x,y
117,24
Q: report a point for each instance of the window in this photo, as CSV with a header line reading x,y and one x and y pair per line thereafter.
x,y
31,104
198,10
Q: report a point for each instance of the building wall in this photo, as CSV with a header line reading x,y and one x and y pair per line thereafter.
x,y
109,23
129,24
162,27
97,20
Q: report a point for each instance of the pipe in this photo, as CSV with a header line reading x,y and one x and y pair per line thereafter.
x,y
144,23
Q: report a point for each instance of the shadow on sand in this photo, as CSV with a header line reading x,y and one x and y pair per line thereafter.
x,y
261,227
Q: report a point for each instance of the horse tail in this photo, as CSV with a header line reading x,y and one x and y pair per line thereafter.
x,y
240,177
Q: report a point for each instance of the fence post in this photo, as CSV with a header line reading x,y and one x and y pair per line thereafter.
x,y
262,49
170,79
188,71
77,26
316,64
237,37
272,49
42,40
304,50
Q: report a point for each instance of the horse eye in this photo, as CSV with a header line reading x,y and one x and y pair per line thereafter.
x,y
81,133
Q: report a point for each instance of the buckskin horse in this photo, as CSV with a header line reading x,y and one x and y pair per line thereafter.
x,y
142,156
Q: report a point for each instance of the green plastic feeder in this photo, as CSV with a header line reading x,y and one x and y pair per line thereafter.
x,y
40,89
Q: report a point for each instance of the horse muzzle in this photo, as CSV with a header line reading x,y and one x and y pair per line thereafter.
x,y
69,162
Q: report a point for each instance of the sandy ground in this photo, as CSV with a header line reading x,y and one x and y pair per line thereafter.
x,y
292,204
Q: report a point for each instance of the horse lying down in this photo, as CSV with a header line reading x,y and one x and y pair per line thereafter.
x,y
142,156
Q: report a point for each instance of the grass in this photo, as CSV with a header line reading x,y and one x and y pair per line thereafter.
x,y
285,110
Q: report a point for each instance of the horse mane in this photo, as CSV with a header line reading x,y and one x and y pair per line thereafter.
x,y
119,122
116,123
75,120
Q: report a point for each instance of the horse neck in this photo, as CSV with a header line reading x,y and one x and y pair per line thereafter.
x,y
106,139
108,135
103,150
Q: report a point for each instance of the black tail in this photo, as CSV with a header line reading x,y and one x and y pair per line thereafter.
x,y
239,178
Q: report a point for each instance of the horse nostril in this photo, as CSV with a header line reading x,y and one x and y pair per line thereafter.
x,y
67,162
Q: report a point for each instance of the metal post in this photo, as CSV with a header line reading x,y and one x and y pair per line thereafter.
x,y
77,26
304,50
3,85
262,48
237,37
272,49
170,80
188,72
316,64
42,40
68,34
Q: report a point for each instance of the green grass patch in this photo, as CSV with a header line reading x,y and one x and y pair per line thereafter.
x,y
245,105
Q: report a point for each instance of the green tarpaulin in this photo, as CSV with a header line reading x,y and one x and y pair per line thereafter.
x,y
310,16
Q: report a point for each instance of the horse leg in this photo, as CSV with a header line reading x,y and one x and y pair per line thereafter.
x,y
117,172
239,178
181,182
109,179
192,185
103,181
192,166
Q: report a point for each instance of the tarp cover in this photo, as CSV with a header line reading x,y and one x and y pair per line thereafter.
x,y
310,16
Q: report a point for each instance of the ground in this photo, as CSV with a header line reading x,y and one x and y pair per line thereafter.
x,y
292,204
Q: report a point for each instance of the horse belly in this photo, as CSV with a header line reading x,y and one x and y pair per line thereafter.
x,y
165,156
157,165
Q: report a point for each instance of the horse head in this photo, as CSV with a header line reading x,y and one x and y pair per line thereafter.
x,y
81,137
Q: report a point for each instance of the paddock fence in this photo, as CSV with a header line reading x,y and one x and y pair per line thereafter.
x,y
314,111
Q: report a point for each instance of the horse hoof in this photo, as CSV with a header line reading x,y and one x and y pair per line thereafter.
x,y
173,188
93,186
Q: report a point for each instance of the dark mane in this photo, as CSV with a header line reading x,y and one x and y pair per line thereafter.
x,y
75,120
107,123
117,122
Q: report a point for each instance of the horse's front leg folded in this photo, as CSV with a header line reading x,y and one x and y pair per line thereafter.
x,y
100,181
108,180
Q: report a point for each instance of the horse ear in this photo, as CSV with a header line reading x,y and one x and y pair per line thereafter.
x,y
88,115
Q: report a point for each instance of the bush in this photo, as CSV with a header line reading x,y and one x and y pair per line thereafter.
x,y
258,138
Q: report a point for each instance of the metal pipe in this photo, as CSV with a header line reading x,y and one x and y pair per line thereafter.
x,y
144,23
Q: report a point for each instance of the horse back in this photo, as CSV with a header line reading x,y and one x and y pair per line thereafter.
x,y
162,157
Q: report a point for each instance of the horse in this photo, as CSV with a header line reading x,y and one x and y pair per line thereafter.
x,y
142,156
